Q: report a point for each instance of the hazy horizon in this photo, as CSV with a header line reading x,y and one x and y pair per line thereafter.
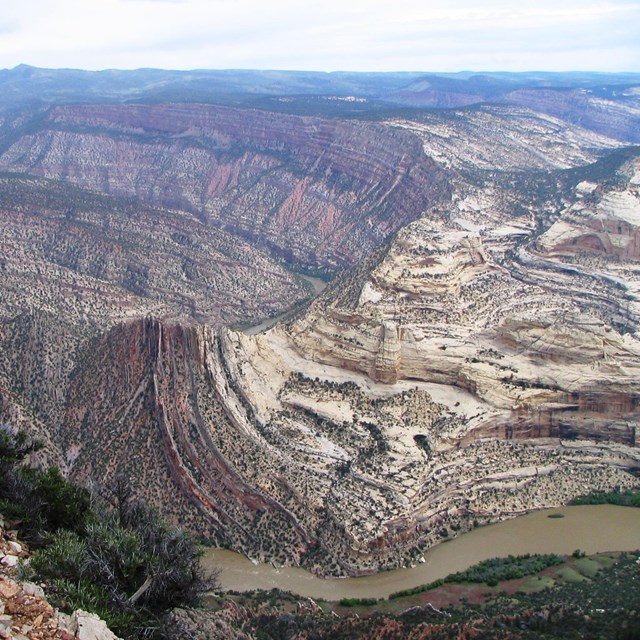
x,y
356,36
470,72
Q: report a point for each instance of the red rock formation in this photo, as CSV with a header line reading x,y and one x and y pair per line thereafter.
x,y
154,403
302,186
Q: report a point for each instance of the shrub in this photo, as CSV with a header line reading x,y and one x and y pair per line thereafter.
x,y
512,567
87,595
128,565
629,498
491,572
66,556
358,602
64,505
42,502
14,447
122,561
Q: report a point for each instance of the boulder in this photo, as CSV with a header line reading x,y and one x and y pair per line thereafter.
x,y
88,626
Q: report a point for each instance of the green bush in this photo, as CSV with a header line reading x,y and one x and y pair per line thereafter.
x,y
122,560
64,505
490,572
66,556
358,602
416,590
14,447
87,595
41,501
630,498
128,566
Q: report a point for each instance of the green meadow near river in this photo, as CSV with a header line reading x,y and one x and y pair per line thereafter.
x,y
592,529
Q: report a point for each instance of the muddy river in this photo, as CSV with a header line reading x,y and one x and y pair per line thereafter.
x,y
589,528
318,287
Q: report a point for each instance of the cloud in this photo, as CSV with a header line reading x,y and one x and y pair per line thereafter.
x,y
8,27
354,34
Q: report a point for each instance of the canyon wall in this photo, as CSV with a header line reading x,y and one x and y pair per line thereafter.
x,y
318,192
480,360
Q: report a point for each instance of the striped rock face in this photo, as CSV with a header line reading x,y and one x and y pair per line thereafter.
x,y
479,360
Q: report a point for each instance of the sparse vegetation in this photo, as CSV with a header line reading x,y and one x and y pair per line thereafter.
x,y
621,498
491,572
358,602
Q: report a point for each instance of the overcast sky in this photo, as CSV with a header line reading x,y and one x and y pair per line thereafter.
x,y
358,35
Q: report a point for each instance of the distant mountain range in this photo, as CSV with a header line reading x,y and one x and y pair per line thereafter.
x,y
577,97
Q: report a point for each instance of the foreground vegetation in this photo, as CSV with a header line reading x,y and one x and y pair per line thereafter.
x,y
110,555
115,556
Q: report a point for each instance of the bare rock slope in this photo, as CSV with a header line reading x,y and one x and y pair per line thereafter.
x,y
319,192
474,368
480,361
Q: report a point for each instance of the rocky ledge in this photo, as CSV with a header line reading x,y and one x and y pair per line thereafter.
x,y
24,612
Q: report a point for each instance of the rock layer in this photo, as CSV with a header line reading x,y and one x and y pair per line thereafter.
x,y
480,363
315,191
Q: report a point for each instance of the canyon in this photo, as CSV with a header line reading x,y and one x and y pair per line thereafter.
x,y
315,191
474,356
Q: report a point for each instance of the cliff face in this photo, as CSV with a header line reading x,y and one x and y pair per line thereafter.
x,y
617,118
538,329
456,376
480,363
321,192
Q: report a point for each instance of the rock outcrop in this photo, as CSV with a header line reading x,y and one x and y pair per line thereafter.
x,y
504,329
316,192
24,612
482,362
611,111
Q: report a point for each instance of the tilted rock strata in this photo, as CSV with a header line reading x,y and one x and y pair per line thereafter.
x,y
446,382
315,191
521,139
471,369
615,115
472,319
285,459
530,382
615,118
169,419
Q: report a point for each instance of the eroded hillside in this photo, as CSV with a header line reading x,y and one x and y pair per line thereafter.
x,y
321,193
478,367
480,360
104,260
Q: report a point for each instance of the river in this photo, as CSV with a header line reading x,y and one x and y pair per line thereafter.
x,y
589,528
318,285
